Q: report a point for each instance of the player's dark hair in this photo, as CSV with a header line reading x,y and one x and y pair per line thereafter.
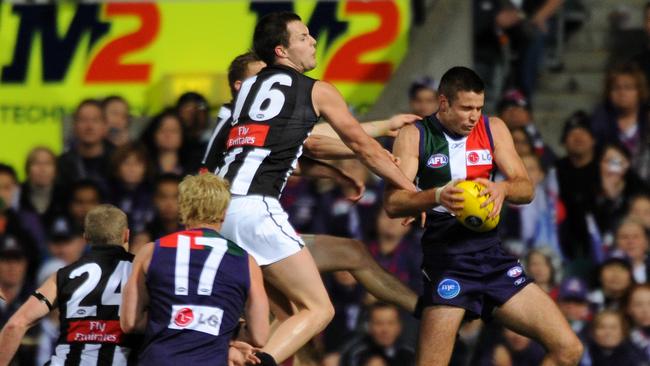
x,y
270,32
459,79
238,68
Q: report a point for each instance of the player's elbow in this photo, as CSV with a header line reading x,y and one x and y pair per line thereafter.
x,y
128,323
259,336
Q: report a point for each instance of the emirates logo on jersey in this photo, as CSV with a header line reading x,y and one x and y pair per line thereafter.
x,y
247,135
184,317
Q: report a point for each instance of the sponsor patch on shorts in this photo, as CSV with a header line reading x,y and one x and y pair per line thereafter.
x,y
448,288
515,271
519,281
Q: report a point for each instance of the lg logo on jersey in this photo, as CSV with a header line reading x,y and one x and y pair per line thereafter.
x,y
478,157
205,319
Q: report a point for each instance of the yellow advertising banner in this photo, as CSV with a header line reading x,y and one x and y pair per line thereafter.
x,y
53,56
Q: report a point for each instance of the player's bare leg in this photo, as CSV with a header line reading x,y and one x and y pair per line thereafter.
x,y
333,253
298,279
438,329
531,312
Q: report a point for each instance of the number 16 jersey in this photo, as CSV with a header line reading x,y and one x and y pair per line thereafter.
x,y
272,117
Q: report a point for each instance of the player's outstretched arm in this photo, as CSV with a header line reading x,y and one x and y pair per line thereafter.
x,y
257,307
387,127
517,187
308,167
135,298
26,316
326,147
399,202
329,103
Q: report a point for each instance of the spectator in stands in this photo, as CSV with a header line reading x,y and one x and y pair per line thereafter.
x,y
84,196
340,217
38,193
640,209
384,328
535,225
623,116
166,219
163,138
577,175
609,343
423,96
116,114
130,190
18,224
574,304
642,60
194,113
40,198
65,244
615,279
518,350
638,309
618,183
300,199
515,111
16,288
88,157
540,266
14,283
396,252
632,239
492,18
347,298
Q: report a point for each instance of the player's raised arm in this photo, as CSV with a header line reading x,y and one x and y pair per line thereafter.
x,y
386,127
399,202
133,317
36,307
329,103
517,187
257,307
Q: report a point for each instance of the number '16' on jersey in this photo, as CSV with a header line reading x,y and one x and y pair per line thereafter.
x,y
272,117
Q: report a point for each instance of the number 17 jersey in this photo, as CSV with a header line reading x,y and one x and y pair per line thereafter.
x,y
198,285
272,117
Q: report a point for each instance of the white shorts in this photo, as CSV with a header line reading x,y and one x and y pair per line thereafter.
x,y
260,226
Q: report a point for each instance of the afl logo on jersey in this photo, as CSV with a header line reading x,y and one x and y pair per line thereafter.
x,y
184,317
448,288
515,271
437,161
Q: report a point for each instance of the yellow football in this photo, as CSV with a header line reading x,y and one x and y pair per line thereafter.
x,y
473,216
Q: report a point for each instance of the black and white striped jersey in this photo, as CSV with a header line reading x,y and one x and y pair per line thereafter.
x,y
89,295
271,118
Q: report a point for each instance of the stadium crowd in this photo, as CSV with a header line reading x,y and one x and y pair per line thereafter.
x,y
585,238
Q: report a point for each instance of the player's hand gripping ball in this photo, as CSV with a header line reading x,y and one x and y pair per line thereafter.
x,y
473,216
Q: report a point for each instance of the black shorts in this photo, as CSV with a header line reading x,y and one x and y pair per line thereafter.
x,y
477,282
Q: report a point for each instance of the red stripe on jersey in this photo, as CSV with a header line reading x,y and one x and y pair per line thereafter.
x,y
171,241
478,153
247,135
95,331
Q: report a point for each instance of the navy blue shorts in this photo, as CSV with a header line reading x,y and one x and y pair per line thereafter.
x,y
477,282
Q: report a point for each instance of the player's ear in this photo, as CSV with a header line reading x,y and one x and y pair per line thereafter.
x,y
237,85
126,235
443,102
280,51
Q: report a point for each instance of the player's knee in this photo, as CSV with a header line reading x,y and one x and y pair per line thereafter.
x,y
569,352
323,314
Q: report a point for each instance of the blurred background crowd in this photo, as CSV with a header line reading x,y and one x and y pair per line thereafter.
x,y
584,239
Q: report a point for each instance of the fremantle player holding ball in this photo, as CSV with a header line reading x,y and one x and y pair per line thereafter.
x,y
467,273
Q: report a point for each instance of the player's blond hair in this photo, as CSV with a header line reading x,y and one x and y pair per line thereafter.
x,y
105,224
203,199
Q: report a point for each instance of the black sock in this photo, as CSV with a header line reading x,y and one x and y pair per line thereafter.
x,y
267,359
